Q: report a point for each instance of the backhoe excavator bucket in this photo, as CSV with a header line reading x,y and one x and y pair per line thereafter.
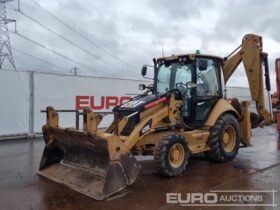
x,y
82,161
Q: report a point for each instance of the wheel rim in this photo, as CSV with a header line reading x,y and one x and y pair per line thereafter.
x,y
176,155
229,138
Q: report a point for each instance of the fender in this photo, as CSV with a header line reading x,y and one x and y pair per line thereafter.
x,y
221,107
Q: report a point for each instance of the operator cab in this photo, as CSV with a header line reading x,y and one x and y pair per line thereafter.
x,y
198,79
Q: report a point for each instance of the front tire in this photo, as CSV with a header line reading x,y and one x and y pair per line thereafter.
x,y
171,155
224,139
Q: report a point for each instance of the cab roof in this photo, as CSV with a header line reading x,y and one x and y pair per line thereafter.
x,y
190,56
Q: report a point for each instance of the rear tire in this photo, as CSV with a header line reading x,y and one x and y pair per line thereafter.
x,y
224,139
171,155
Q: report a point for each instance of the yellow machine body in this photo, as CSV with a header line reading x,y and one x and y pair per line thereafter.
x,y
99,163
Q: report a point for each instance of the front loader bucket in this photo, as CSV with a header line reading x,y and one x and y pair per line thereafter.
x,y
82,162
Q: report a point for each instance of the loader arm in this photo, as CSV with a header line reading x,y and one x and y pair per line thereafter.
x,y
250,53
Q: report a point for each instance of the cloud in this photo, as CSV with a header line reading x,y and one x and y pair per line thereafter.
x,y
136,31
238,17
180,10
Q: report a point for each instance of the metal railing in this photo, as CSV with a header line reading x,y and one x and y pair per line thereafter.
x,y
77,114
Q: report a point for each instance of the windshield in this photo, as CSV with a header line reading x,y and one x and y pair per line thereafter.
x,y
172,76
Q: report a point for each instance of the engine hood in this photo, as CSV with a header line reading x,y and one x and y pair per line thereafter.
x,y
133,109
138,103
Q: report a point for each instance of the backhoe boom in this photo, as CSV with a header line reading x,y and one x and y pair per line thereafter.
x,y
250,53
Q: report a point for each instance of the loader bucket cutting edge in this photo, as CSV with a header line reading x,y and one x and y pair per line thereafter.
x,y
82,162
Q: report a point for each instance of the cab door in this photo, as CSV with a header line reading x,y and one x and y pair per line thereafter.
x,y
208,88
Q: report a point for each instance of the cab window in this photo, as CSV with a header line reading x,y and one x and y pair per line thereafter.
x,y
207,79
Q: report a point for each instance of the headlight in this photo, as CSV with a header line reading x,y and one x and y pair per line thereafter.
x,y
142,86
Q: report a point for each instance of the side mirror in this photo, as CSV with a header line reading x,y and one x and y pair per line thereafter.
x,y
144,70
141,86
202,65
191,85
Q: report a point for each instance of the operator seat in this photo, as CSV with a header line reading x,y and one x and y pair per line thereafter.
x,y
202,89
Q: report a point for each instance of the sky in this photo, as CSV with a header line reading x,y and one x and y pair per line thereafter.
x,y
116,37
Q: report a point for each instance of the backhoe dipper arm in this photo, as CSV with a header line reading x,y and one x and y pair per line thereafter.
x,y
250,53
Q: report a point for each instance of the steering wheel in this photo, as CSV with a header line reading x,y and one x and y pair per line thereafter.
x,y
177,93
180,84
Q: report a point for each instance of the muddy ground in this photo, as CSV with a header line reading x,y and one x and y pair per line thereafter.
x,y
256,168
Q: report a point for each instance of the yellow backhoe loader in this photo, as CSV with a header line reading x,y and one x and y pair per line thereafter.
x,y
184,112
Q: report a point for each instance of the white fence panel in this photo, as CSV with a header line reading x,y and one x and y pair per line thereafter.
x,y
14,106
23,98
78,92
243,94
